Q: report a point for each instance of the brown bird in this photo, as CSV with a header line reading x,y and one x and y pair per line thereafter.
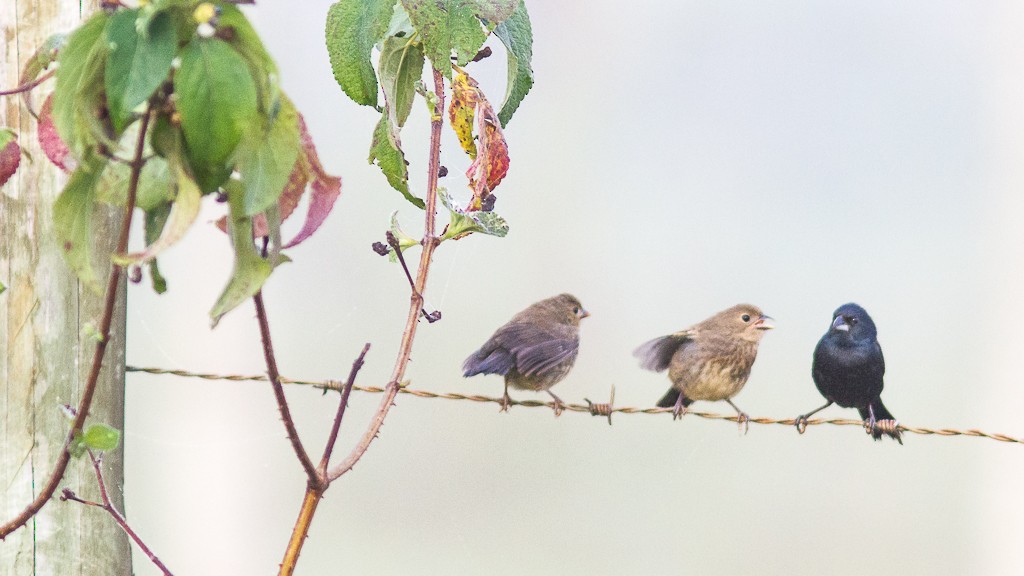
x,y
710,360
535,350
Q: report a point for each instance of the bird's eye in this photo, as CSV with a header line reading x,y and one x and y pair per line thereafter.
x,y
575,309
746,317
854,320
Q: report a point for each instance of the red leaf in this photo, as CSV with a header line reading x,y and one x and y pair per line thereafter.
x,y
325,189
491,163
55,148
10,155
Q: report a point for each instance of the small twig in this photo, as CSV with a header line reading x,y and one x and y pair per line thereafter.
x,y
30,85
393,242
275,383
342,404
107,505
101,346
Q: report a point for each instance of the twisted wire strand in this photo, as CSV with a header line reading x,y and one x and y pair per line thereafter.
x,y
594,409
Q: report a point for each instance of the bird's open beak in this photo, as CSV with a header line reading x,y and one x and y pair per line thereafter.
x,y
840,324
764,323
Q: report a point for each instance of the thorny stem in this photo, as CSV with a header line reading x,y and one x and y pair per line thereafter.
x,y
315,490
282,402
114,513
101,347
429,242
332,438
30,85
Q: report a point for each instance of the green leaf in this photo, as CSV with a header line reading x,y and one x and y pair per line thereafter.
x,y
154,184
183,213
79,84
464,223
216,97
495,11
387,151
156,218
101,437
251,270
72,216
404,240
268,161
138,61
248,44
446,26
353,27
401,65
517,36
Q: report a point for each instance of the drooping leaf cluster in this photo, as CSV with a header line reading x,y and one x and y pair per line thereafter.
x,y
449,34
198,77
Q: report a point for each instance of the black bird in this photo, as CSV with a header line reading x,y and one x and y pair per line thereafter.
x,y
848,369
535,350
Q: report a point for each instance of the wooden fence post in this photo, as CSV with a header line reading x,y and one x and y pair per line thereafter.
x,y
45,344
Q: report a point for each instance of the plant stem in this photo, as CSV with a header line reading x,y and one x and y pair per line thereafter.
x,y
282,402
332,438
429,242
85,403
115,514
30,85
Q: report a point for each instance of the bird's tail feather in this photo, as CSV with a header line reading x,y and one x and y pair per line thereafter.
x,y
881,413
671,397
490,362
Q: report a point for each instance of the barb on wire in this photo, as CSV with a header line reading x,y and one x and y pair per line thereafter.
x,y
593,409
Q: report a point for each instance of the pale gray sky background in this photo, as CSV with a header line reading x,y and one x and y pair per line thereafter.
x,y
673,159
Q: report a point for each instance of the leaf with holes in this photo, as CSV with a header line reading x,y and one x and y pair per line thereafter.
x,y
462,222
401,65
517,36
10,154
138,62
49,140
353,27
72,217
216,97
460,112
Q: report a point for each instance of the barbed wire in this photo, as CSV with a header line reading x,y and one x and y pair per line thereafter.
x,y
592,408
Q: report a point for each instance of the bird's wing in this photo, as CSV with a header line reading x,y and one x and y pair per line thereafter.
x,y
539,348
657,354
488,360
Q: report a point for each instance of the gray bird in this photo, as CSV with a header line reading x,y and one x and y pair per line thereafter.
x,y
710,360
535,350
